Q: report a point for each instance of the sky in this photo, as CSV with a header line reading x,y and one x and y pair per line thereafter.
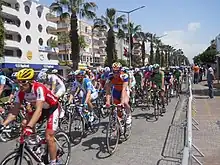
x,y
188,24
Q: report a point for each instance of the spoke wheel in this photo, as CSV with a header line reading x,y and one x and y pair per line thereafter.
x,y
112,132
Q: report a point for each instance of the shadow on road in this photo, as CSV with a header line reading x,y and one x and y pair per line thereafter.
x,y
168,162
102,149
174,141
148,116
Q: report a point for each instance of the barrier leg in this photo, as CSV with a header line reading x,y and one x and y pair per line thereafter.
x,y
197,160
197,149
195,126
195,121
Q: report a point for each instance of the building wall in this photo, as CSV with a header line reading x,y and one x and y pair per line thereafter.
x,y
35,52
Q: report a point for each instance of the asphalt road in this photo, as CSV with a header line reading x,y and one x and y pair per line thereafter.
x,y
146,145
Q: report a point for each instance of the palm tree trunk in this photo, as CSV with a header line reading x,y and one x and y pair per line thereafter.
x,y
151,53
110,47
143,52
74,41
131,46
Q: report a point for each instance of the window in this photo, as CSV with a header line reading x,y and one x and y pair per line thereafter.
x,y
39,14
28,39
27,9
8,37
19,53
86,29
8,52
27,24
40,28
40,41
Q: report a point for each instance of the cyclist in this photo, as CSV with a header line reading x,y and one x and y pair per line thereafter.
x,y
139,79
46,105
15,87
177,77
168,77
85,85
157,78
120,93
2,82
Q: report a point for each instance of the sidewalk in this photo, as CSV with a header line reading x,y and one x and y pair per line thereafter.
x,y
202,89
207,139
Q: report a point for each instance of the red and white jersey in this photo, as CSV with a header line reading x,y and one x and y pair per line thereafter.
x,y
38,92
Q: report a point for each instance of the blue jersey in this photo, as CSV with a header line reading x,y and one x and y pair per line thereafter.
x,y
2,80
85,86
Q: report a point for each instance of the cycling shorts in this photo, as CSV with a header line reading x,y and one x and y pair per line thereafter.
x,y
60,91
117,96
51,115
93,97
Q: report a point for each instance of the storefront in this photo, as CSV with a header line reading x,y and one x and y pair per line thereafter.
x,y
34,66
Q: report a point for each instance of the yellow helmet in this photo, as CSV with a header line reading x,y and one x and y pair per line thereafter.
x,y
25,74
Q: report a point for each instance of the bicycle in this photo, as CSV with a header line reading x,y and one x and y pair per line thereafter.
x,y
156,101
117,124
39,151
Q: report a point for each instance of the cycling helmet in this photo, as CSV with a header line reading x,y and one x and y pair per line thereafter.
x,y
44,70
116,66
80,73
155,66
14,75
25,74
54,71
42,76
136,69
107,69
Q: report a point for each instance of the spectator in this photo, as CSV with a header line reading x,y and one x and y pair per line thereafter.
x,y
196,74
210,78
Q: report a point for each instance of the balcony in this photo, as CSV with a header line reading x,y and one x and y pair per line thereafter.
x,y
51,30
9,10
52,18
63,47
12,44
11,27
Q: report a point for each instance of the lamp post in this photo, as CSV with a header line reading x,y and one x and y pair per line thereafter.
x,y
129,32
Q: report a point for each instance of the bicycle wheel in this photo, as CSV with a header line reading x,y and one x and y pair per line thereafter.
x,y
76,127
62,146
112,130
14,157
96,121
127,131
156,108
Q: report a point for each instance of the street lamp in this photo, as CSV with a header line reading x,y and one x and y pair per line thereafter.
x,y
129,33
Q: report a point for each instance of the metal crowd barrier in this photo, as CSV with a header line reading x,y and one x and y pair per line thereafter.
x,y
188,155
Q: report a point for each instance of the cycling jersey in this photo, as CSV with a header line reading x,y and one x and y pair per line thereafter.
x,y
167,77
38,92
156,78
177,74
60,86
2,80
85,87
132,80
117,83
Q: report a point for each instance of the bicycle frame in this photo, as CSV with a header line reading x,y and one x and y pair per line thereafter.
x,y
24,147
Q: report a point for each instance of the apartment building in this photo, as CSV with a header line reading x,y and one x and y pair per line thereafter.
x,y
92,54
28,37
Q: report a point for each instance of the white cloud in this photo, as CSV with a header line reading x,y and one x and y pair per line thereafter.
x,y
184,40
193,26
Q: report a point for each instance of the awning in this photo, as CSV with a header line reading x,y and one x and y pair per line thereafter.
x,y
34,66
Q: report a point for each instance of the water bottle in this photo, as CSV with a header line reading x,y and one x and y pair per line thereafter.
x,y
91,117
86,114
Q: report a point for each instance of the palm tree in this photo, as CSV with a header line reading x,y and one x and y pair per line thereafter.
x,y
151,39
110,23
2,33
70,9
143,38
158,44
134,30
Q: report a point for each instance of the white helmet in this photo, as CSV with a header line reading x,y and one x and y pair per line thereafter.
x,y
107,69
42,76
54,71
136,69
